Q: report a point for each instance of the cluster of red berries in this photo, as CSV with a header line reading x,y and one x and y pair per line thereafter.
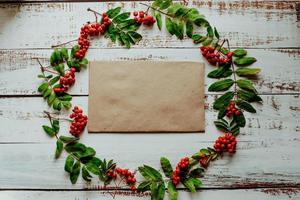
x,y
142,18
226,143
66,81
79,121
128,175
181,170
231,110
91,29
214,57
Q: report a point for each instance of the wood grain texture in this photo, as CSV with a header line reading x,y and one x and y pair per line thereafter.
x,y
267,156
244,23
277,76
265,194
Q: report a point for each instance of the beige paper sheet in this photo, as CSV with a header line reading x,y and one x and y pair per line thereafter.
x,y
146,96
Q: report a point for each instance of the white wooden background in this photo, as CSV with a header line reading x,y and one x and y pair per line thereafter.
x,y
267,163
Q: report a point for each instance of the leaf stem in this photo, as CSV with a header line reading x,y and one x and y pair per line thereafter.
x,y
233,72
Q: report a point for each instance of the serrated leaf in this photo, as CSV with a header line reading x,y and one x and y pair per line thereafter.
x,y
144,186
223,101
56,104
135,36
247,71
47,93
246,85
41,76
51,98
66,139
245,106
165,4
111,13
179,30
192,183
189,29
60,69
125,40
216,33
67,104
200,21
158,20
59,148
150,173
65,97
75,172
50,131
222,112
89,152
173,194
239,52
121,17
93,168
197,172
69,163
166,166
221,85
244,61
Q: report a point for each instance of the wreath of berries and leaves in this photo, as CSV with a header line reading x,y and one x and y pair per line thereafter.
x,y
232,70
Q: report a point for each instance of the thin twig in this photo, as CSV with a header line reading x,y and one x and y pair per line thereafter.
x,y
233,71
156,9
62,44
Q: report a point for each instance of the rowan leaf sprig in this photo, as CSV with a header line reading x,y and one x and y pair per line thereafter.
x,y
233,75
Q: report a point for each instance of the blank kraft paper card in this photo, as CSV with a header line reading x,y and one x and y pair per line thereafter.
x,y
146,96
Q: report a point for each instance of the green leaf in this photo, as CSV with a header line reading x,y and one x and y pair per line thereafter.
x,y
166,166
170,25
135,36
161,191
244,61
125,40
51,99
210,32
198,38
66,139
113,12
247,71
221,125
165,4
59,148
197,172
246,85
158,20
65,97
221,85
74,50
216,33
144,186
240,120
67,105
75,147
220,72
85,174
150,173
222,112
248,96
223,101
43,87
75,172
64,53
121,17
93,168
245,106
192,183
200,21
189,29
60,69
84,62
55,125
50,131
173,194
89,152
179,30
47,93
207,41
55,57
69,163
56,104
239,52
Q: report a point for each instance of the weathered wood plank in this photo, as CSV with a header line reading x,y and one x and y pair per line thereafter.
x,y
246,23
18,71
266,194
267,156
